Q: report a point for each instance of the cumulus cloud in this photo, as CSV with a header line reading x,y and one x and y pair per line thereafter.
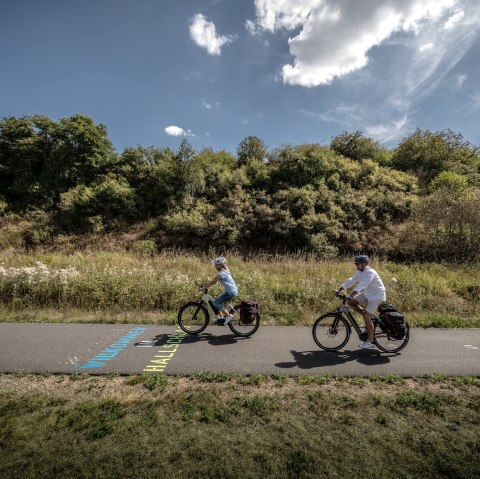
x,y
177,131
204,34
335,36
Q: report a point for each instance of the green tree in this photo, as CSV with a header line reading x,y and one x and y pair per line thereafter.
x,y
103,204
251,148
357,146
156,175
427,154
40,158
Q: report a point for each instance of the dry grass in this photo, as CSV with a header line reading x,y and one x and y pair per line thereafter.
x,y
99,286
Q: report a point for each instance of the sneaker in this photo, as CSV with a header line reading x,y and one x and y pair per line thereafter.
x,y
367,345
228,319
219,322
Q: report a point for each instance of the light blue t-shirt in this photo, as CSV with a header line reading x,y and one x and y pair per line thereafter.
x,y
227,281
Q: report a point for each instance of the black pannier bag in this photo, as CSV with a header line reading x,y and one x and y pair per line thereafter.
x,y
394,320
387,308
248,311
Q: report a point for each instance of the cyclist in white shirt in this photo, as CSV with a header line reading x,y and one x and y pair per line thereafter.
x,y
369,292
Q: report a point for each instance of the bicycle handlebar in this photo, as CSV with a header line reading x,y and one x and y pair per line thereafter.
x,y
343,297
202,287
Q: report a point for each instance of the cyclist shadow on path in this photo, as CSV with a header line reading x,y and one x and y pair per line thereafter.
x,y
316,359
161,339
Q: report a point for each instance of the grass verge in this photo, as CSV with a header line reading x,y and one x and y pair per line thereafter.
x,y
219,425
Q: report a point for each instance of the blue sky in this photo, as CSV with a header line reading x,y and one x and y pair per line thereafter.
x,y
214,71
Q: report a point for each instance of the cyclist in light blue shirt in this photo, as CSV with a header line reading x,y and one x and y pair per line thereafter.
x,y
225,278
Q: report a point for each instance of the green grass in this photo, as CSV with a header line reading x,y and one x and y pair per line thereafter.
x,y
226,427
291,290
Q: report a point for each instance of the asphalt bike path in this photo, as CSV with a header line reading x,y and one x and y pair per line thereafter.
x,y
134,349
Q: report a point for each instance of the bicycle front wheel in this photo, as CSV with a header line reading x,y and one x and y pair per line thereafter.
x,y
242,329
193,317
331,332
386,343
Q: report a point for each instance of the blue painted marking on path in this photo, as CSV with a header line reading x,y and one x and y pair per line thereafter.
x,y
109,353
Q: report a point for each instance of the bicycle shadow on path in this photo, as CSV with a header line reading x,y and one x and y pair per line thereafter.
x,y
161,339
318,359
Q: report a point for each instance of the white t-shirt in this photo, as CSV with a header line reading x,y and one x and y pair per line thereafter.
x,y
368,283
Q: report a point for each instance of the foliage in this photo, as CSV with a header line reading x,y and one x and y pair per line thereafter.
x,y
351,196
445,224
40,158
132,287
251,148
357,146
428,154
96,206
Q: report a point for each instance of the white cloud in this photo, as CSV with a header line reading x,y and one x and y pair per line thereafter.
x,y
335,36
204,34
210,106
461,79
177,131
426,46
389,131
341,114
453,20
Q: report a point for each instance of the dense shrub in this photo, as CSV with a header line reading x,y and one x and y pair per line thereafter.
x,y
353,195
428,154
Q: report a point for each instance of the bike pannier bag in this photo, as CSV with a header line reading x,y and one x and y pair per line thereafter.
x,y
395,322
248,310
387,308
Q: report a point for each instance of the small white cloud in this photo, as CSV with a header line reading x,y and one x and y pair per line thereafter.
x,y
252,27
425,47
461,80
204,34
453,20
210,106
177,131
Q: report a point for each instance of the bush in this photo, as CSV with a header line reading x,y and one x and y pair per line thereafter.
x,y
144,247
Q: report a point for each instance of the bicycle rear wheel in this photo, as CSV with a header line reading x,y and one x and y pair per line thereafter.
x,y
193,317
386,343
242,329
331,332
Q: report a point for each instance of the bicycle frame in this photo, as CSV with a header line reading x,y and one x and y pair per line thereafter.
x,y
351,319
209,302
353,322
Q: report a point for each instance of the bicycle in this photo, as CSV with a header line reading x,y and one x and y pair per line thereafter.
x,y
194,317
332,330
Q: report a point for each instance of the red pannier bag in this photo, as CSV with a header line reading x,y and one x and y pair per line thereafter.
x,y
248,311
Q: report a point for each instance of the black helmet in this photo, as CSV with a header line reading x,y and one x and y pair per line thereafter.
x,y
361,258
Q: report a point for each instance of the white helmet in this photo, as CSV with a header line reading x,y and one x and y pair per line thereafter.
x,y
220,261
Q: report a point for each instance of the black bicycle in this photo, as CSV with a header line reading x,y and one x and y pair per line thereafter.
x,y
332,331
194,316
